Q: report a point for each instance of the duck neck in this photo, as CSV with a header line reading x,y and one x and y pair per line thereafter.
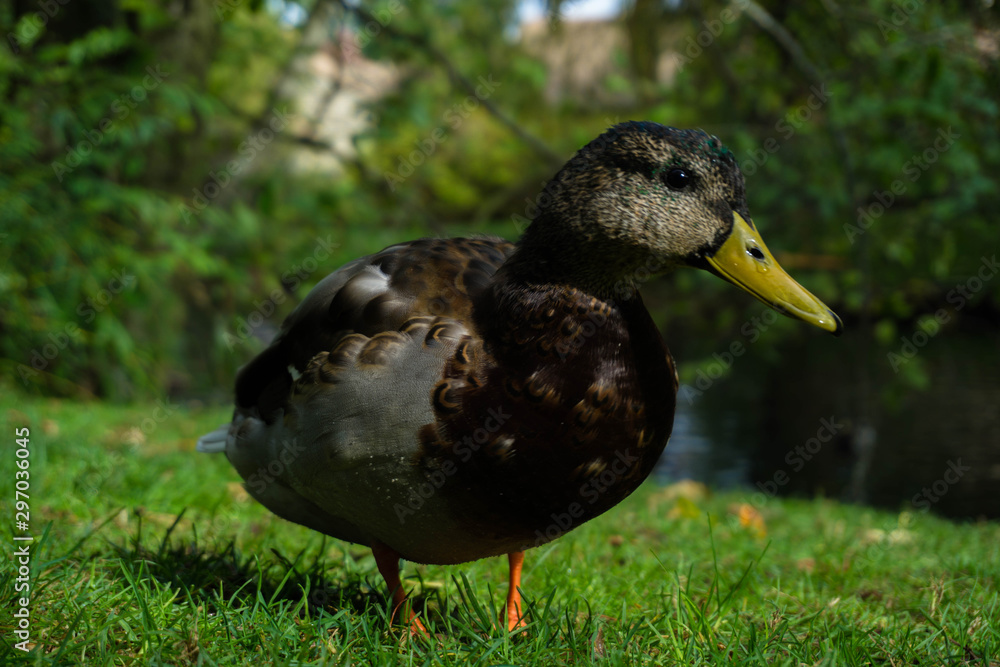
x,y
577,266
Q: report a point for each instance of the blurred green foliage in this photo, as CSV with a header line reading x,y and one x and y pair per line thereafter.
x,y
135,260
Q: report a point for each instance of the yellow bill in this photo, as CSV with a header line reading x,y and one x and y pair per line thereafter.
x,y
746,262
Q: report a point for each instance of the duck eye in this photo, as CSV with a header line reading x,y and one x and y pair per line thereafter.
x,y
755,252
678,179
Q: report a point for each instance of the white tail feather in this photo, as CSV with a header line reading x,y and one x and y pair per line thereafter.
x,y
214,442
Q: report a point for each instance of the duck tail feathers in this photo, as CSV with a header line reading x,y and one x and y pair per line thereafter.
x,y
214,442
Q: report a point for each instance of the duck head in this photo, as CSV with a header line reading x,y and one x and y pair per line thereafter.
x,y
644,198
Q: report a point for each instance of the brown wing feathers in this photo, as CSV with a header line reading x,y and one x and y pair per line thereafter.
x,y
356,312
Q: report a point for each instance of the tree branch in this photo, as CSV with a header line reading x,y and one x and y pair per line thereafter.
x,y
768,24
459,80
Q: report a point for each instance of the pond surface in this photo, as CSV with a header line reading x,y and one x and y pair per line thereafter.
x,y
839,417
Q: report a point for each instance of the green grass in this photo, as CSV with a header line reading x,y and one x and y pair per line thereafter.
x,y
148,553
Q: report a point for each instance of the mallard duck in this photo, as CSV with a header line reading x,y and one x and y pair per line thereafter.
x,y
446,400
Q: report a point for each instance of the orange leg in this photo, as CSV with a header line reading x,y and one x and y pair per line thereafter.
x,y
388,565
515,619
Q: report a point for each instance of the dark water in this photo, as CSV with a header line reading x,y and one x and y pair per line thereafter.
x,y
832,416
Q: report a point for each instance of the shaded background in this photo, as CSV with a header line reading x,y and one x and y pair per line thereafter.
x,y
175,176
